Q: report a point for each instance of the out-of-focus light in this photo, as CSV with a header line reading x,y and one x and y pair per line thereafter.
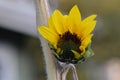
x,y
18,15
9,68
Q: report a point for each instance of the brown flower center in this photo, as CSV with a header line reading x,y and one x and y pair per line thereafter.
x,y
66,43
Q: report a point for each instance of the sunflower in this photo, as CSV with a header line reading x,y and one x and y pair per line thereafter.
x,y
69,36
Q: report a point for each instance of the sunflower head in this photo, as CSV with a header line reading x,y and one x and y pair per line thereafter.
x,y
69,36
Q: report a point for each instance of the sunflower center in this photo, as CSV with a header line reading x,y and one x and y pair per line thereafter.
x,y
68,42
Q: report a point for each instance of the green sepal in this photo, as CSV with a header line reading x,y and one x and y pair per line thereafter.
x,y
76,54
50,45
88,53
56,55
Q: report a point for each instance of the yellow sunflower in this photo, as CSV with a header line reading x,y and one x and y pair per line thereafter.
x,y
69,36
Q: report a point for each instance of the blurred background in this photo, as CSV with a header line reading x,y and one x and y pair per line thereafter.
x,y
21,57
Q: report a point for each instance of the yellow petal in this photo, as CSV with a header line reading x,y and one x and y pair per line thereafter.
x,y
65,23
48,34
51,24
88,28
58,50
89,18
74,18
57,20
82,48
77,29
75,15
85,43
87,40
